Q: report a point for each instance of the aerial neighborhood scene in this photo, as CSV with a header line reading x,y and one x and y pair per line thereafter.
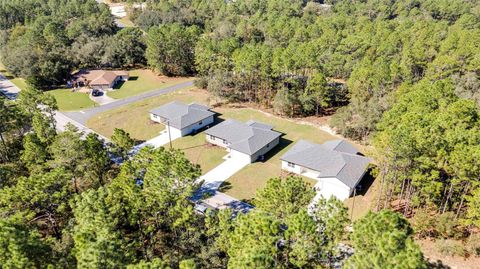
x,y
240,134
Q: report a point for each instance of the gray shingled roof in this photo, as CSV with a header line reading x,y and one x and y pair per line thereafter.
x,y
247,137
340,145
181,115
332,159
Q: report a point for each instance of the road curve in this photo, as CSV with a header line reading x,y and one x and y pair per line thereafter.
x,y
84,115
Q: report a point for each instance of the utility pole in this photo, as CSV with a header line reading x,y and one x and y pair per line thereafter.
x,y
169,136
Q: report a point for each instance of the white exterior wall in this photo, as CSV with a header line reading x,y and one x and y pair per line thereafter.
x,y
174,132
187,130
216,141
155,118
237,155
332,186
297,169
198,125
325,187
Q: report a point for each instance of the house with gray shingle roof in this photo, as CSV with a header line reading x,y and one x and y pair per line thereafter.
x,y
248,141
183,119
336,165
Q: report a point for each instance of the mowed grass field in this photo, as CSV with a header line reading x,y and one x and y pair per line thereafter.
x,y
244,184
71,101
198,151
135,118
143,80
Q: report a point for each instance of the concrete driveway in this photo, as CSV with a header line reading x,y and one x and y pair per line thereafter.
x,y
155,142
103,99
215,177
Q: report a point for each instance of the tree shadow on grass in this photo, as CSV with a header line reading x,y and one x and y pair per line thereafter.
x,y
225,186
437,265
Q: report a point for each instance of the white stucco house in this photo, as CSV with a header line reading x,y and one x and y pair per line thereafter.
x,y
245,141
335,165
182,119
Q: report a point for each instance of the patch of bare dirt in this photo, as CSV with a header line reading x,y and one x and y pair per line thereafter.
x,y
439,260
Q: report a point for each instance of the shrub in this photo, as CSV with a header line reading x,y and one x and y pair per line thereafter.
x,y
423,223
473,244
201,83
446,225
450,247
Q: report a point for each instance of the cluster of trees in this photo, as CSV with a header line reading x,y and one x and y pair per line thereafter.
x,y
289,54
64,203
411,73
44,41
428,153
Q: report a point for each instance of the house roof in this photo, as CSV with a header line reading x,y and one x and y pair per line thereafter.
x,y
331,159
181,115
247,137
100,77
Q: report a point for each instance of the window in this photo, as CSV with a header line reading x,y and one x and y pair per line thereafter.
x,y
224,141
292,165
268,145
200,123
212,137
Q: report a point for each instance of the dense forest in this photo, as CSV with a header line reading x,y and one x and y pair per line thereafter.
x,y
44,41
402,76
65,204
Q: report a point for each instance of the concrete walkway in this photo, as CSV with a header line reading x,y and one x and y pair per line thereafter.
x,y
84,115
155,142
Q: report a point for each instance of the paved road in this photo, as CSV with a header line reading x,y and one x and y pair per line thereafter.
x,y
8,88
84,115
62,121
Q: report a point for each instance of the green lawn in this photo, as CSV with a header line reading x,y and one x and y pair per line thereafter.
x,y
247,181
143,80
134,118
198,151
69,101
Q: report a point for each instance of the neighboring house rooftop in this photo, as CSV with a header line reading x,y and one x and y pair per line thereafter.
x,y
100,77
247,137
181,115
335,158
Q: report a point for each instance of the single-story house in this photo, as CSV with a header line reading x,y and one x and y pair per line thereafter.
x,y
248,141
336,165
182,119
100,79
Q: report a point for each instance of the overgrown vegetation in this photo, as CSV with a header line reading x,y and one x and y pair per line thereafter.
x,y
64,203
